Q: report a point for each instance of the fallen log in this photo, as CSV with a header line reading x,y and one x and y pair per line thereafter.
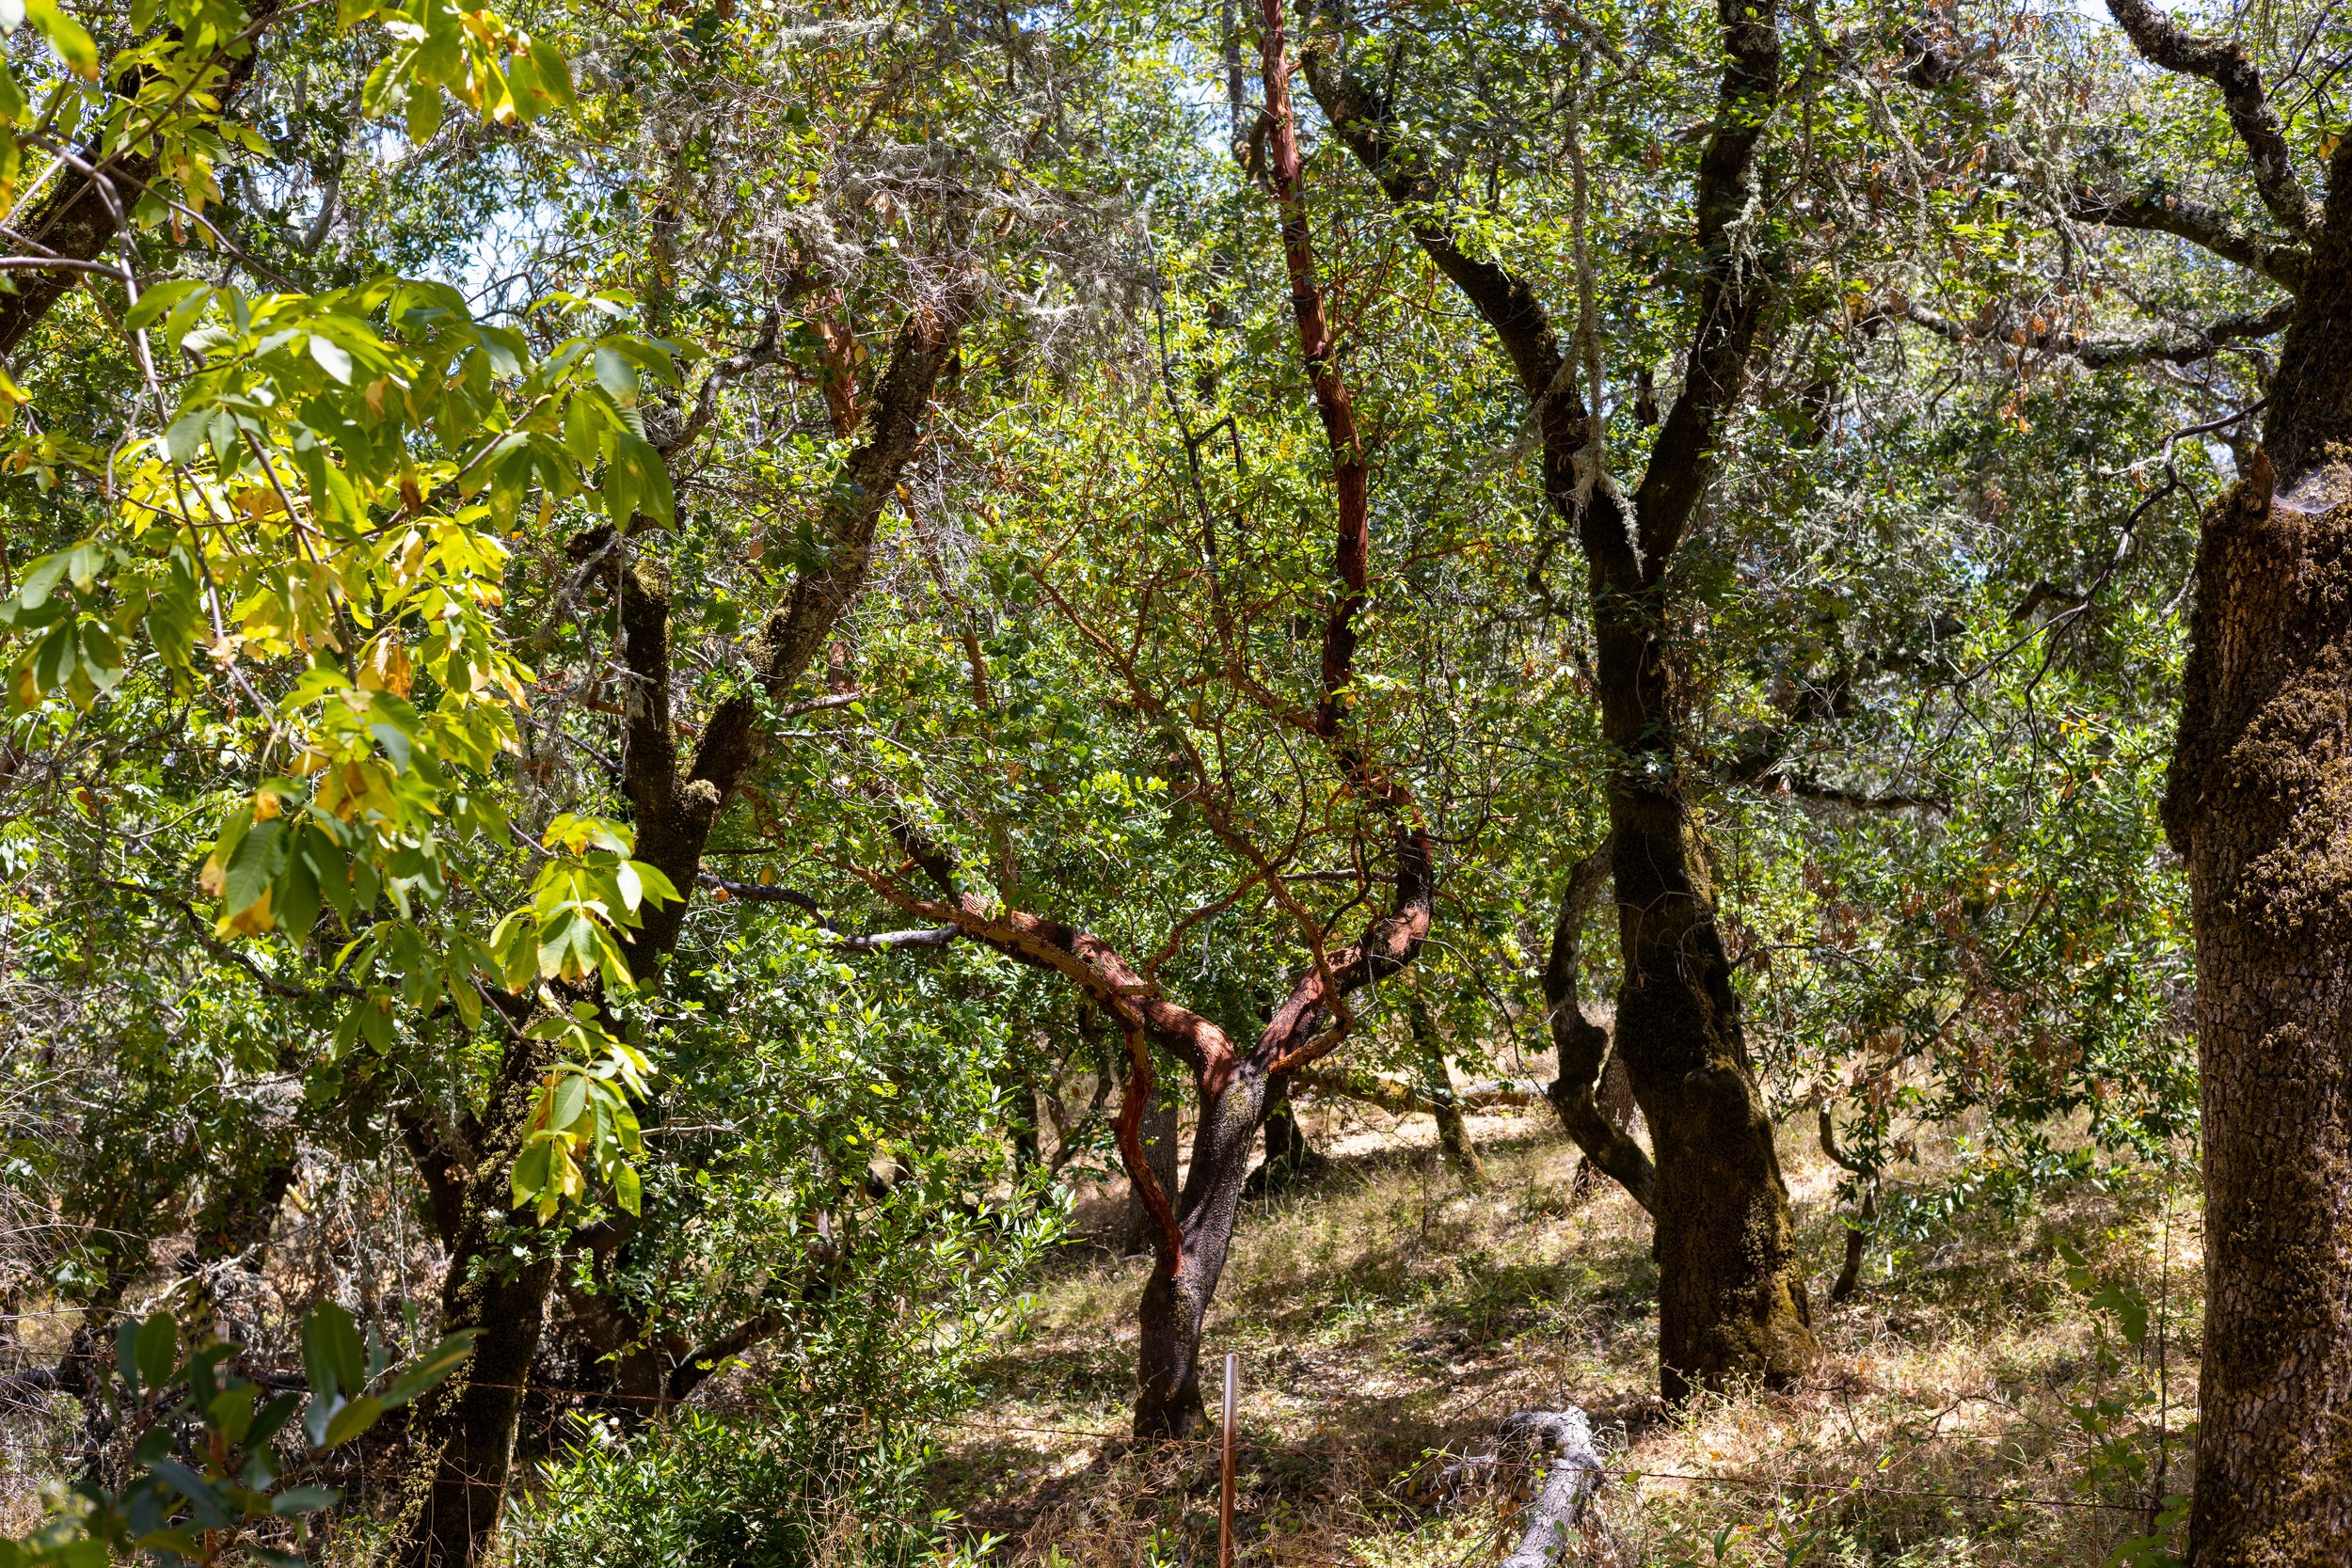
x,y
1561,1442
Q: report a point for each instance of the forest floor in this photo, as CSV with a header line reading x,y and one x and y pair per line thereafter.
x,y
1971,1404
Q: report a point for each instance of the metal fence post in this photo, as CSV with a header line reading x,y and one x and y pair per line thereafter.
x,y
1225,1483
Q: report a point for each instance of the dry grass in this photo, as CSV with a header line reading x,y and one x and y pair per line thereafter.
x,y
1387,1315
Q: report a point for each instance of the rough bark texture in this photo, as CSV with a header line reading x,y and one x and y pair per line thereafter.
x,y
2260,806
1559,1445
674,809
2310,420
1176,1299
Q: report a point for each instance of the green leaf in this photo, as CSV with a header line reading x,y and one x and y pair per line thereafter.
x,y
160,298
555,72
626,1189
100,656
331,1352
127,1355
68,37
430,1370
657,887
529,1175
332,358
204,1499
183,443
424,111
649,474
231,1413
261,855
350,1420
571,1097
617,376
303,1499
158,1349
271,1420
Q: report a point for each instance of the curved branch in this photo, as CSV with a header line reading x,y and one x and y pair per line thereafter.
x,y
733,367
1401,1099
1584,1045
1089,961
889,433
2225,63
80,216
2200,223
1167,1233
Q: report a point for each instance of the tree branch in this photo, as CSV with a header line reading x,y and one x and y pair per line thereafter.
x,y
871,942
1726,210
1584,1045
2175,345
78,219
2225,63
2200,223
733,367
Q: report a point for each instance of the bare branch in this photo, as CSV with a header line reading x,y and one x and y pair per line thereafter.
x,y
870,941
1584,1045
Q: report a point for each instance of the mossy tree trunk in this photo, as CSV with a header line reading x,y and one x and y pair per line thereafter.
x,y
2260,806
2261,809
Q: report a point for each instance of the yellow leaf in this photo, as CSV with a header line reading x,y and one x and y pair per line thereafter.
x,y
386,668
252,920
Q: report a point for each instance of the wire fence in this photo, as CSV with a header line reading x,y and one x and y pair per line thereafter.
x,y
1496,1474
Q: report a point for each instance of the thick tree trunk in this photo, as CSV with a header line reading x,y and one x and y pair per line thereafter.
x,y
2260,806
1168,1394
1731,1301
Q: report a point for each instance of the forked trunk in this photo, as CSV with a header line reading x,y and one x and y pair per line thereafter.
x,y
2260,806
1731,1298
1167,1367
